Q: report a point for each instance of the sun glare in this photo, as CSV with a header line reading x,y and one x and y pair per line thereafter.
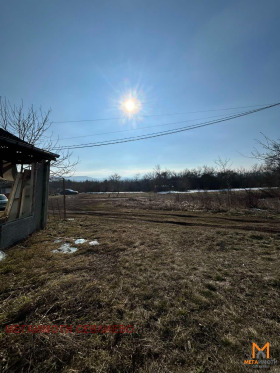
x,y
130,106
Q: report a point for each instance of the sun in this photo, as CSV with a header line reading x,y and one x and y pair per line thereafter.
x,y
130,105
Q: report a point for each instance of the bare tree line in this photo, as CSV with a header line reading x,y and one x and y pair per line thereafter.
x,y
158,180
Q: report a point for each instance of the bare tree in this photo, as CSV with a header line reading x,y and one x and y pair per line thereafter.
x,y
31,126
270,153
225,173
114,181
160,178
223,166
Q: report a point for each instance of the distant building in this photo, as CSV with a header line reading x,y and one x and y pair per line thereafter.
x,y
24,169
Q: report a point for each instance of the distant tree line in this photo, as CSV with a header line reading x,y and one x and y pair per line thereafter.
x,y
221,177
206,178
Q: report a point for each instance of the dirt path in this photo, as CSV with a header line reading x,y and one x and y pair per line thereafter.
x,y
196,219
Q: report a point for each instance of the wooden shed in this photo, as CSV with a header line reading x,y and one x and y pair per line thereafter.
x,y
27,168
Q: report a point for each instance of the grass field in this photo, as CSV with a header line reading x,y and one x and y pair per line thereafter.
x,y
198,287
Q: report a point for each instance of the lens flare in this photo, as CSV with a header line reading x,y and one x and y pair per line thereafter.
x,y
130,105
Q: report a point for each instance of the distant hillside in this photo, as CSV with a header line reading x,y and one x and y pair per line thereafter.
x,y
79,178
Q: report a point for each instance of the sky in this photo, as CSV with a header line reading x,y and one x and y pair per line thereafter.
x,y
183,60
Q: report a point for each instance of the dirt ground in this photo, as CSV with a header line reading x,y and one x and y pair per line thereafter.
x,y
198,288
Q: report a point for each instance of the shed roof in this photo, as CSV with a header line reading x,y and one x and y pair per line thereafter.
x,y
13,149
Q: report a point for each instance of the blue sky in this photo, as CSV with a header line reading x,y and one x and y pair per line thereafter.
x,y
79,58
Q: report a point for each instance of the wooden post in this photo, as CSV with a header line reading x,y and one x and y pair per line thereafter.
x,y
58,207
52,208
64,199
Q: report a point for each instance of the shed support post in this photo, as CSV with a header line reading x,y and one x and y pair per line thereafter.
x,y
64,199
45,195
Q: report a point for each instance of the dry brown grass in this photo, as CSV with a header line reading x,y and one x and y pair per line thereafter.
x,y
198,288
264,201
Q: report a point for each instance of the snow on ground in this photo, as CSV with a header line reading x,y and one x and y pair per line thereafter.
x,y
94,242
114,192
80,241
2,255
66,247
208,190
187,191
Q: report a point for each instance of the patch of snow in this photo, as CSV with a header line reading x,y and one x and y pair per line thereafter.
x,y
80,241
2,255
94,242
212,190
114,192
70,219
65,249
